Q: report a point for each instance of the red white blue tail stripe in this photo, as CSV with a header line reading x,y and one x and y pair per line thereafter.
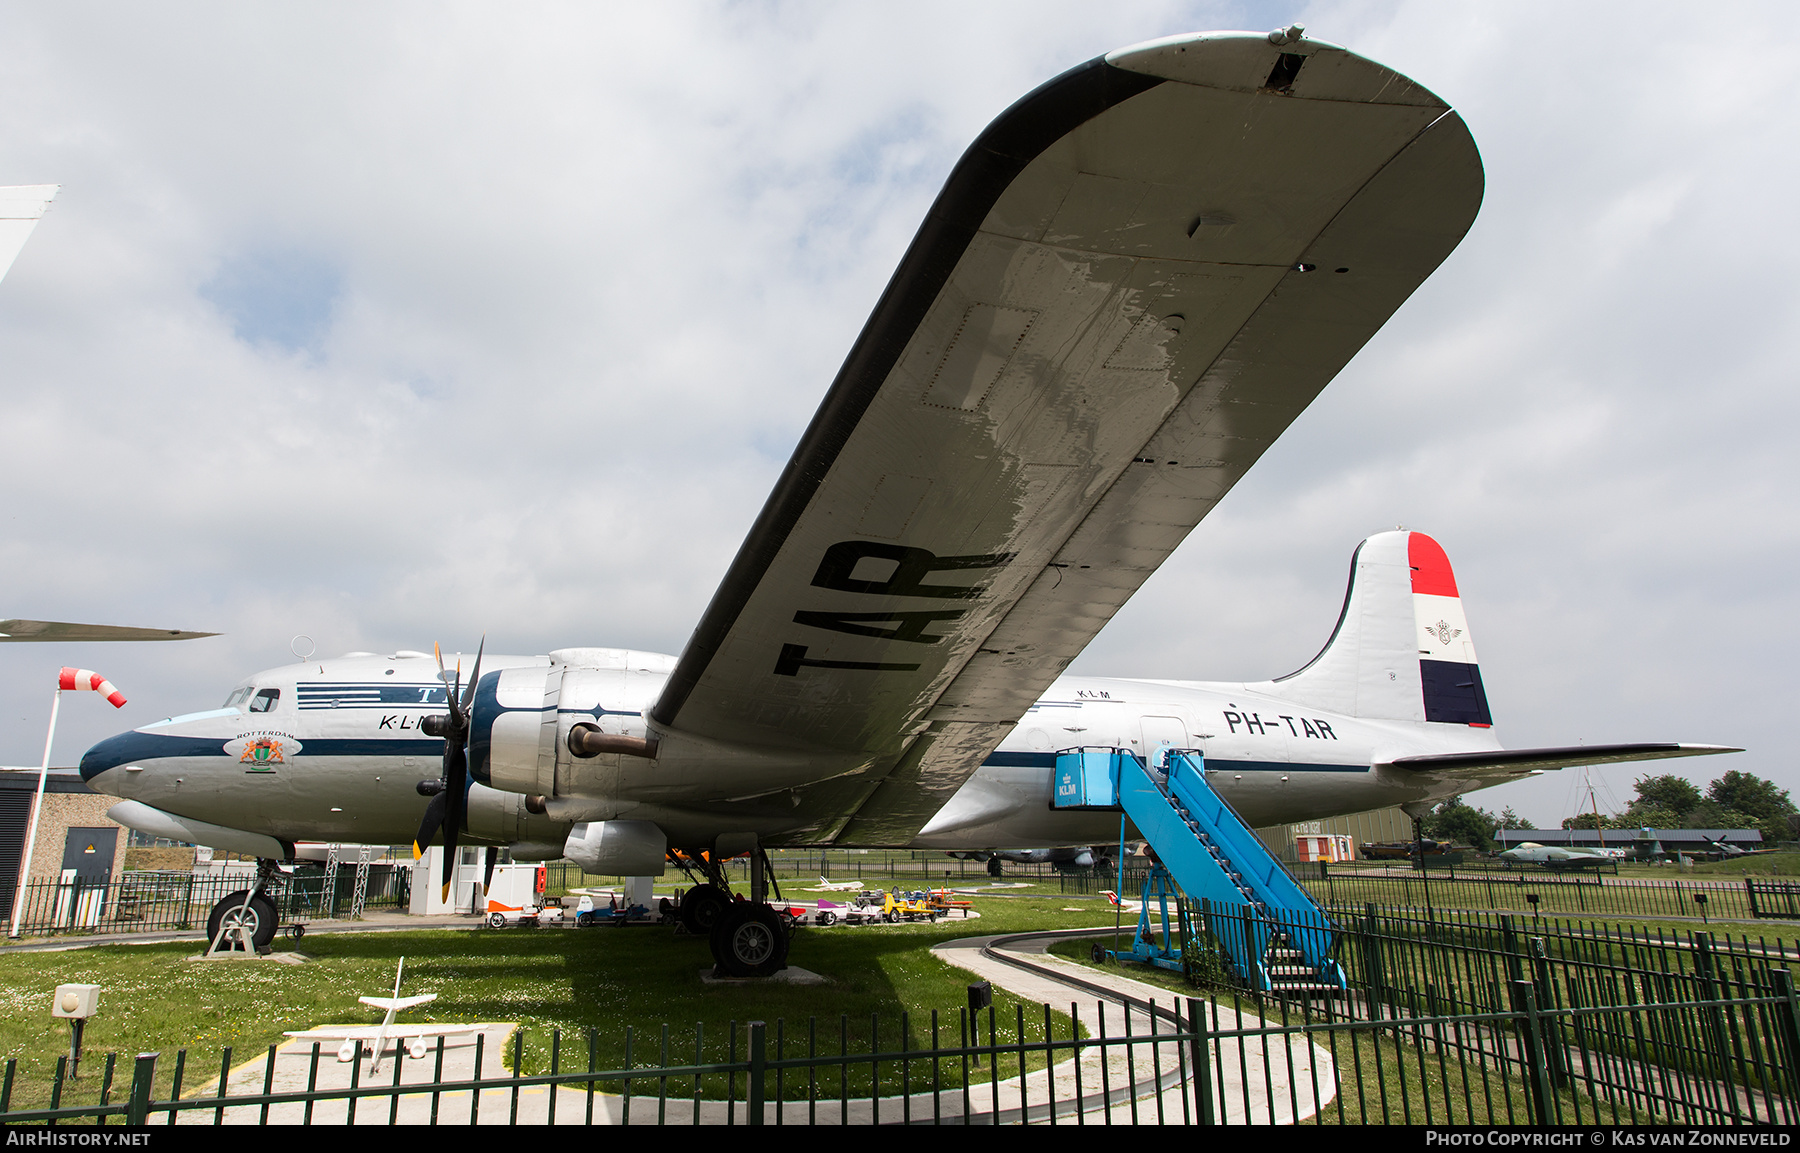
x,y
1448,672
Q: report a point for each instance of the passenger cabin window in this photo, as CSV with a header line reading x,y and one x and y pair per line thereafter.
x,y
264,701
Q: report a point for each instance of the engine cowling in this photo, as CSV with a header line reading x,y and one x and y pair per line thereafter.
x,y
521,718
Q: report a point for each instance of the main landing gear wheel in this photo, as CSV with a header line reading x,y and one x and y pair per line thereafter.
x,y
750,941
702,907
994,867
258,919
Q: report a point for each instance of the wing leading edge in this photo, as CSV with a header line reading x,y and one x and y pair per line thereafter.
x,y
1131,284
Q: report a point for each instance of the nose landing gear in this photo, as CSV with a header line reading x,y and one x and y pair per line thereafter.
x,y
245,920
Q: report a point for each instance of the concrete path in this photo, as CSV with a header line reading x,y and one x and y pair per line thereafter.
x,y
1277,1082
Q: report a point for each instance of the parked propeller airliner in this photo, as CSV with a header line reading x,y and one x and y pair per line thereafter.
x,y
1131,284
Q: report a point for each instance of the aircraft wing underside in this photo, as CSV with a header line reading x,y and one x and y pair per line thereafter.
x,y
1131,284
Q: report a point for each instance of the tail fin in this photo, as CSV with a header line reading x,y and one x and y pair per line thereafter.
x,y
1402,649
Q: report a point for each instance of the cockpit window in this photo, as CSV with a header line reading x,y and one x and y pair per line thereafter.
x,y
265,700
238,696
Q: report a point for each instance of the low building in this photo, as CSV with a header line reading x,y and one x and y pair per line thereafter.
x,y
73,833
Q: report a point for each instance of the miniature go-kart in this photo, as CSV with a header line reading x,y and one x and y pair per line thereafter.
x,y
501,916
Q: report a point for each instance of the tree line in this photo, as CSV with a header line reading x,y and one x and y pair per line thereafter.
x,y
1733,801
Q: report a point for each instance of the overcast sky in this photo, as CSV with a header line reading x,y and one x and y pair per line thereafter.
x,y
393,324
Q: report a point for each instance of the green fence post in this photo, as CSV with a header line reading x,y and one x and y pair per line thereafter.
x,y
137,1105
1198,1061
1706,968
1509,944
753,1103
1531,1045
1557,1054
1372,976
1787,1024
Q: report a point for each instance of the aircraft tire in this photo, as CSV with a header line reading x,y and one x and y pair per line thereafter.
x,y
994,867
702,907
749,941
260,917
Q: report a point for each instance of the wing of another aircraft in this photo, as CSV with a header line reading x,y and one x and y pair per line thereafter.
x,y
1131,284
16,630
1491,768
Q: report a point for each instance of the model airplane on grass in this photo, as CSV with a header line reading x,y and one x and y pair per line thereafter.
x,y
374,1040
1131,284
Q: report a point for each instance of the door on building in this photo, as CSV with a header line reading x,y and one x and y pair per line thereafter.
x,y
89,852
86,869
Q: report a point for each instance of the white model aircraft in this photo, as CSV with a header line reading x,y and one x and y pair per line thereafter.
x,y
1133,281
372,1040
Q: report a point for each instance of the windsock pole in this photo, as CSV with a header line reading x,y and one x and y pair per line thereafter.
x,y
67,679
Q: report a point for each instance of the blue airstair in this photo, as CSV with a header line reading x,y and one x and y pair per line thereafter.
x,y
1277,936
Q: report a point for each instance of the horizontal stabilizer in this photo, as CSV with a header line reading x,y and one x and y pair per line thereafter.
x,y
1500,764
397,1003
14,630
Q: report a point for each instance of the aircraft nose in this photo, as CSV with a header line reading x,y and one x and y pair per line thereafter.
x,y
108,754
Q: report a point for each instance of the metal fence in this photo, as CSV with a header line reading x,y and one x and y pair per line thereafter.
x,y
1448,1019
1534,891
149,901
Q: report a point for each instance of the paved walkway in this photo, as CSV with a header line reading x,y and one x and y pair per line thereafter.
x,y
1277,1082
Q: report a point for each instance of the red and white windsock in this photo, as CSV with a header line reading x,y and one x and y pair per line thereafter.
x,y
87,679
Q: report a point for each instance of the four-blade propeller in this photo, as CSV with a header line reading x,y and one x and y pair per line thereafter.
x,y
449,804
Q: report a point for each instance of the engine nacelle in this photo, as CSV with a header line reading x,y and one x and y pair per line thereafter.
x,y
520,719
502,817
621,848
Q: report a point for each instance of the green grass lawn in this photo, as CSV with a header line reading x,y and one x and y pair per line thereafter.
x,y
157,998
